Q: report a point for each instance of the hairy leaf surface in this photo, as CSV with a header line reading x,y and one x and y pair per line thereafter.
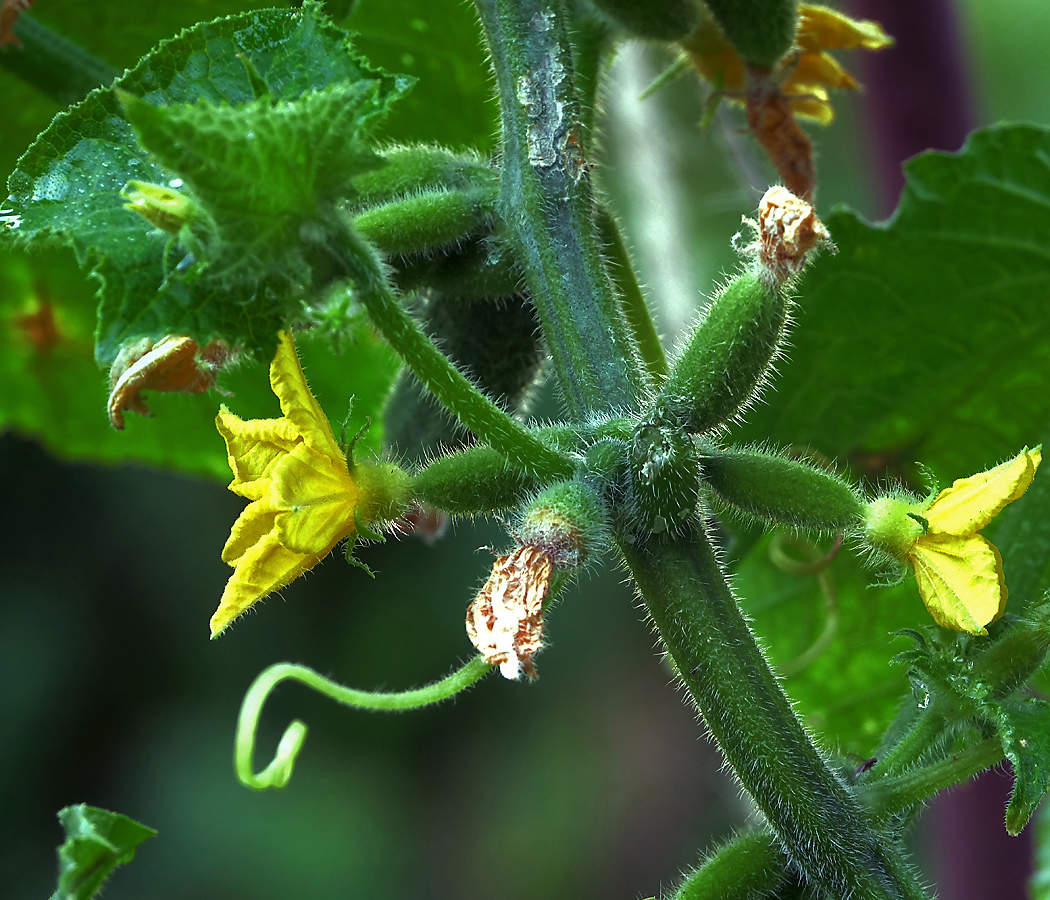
x,y
68,183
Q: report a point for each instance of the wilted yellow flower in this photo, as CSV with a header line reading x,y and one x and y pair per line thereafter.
x,y
305,495
805,77
959,573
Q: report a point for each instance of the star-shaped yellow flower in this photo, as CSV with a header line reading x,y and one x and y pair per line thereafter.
x,y
959,573
305,496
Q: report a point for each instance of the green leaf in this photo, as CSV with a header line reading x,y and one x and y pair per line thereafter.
x,y
926,338
438,42
263,171
1024,729
68,183
850,691
97,841
56,392
1023,539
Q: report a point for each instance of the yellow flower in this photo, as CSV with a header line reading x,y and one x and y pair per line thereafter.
x,y
806,76
305,496
959,573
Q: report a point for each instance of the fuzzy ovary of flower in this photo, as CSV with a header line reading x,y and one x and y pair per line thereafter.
x,y
958,572
809,74
305,498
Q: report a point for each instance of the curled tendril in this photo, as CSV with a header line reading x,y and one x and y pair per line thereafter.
x,y
817,564
277,773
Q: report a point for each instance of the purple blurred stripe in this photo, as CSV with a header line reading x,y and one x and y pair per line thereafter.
x,y
917,93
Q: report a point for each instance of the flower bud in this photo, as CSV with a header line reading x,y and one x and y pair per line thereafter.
x,y
161,206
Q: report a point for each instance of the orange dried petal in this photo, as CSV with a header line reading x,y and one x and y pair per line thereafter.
x,y
10,10
788,228
172,364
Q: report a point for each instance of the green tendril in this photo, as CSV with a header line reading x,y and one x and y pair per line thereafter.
x,y
817,565
279,771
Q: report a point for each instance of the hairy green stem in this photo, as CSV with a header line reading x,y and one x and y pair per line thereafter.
x,y
632,300
815,815
890,795
277,773
53,65
435,371
547,204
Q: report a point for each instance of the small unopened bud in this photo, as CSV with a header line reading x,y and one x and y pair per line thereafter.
x,y
161,206
174,363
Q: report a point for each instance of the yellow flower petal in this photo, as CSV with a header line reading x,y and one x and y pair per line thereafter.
x,y
253,524
263,568
315,498
960,580
819,70
971,503
814,106
821,28
253,448
297,403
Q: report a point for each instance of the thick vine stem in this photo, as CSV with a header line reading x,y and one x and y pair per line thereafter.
x,y
277,773
547,204
435,371
815,815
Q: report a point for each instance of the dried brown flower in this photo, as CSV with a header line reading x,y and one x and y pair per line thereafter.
x,y
505,621
174,363
788,228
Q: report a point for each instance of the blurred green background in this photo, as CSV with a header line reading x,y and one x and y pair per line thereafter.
x,y
593,782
